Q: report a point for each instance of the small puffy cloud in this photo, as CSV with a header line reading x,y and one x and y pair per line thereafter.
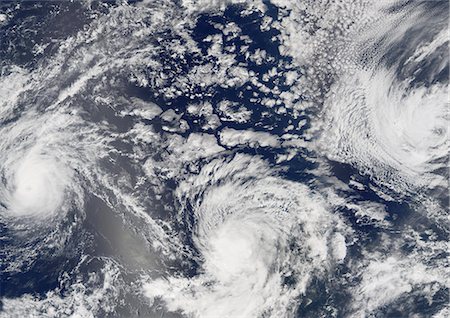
x,y
254,139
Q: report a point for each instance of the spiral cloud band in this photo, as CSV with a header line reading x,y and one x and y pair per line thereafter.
x,y
209,159
261,240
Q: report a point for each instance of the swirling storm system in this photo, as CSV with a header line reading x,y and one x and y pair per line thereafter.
x,y
224,159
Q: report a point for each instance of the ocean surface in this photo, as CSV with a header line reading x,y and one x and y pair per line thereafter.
x,y
197,158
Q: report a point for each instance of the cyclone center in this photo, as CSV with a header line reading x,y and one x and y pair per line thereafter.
x,y
39,184
241,247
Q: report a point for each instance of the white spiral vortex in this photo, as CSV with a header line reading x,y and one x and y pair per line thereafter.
x,y
399,137
38,186
262,239
389,117
38,158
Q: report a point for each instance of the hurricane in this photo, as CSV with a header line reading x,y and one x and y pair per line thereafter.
x,y
391,116
232,159
260,241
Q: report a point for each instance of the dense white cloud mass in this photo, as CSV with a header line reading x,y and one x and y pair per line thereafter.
x,y
397,135
224,159
254,231
39,172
